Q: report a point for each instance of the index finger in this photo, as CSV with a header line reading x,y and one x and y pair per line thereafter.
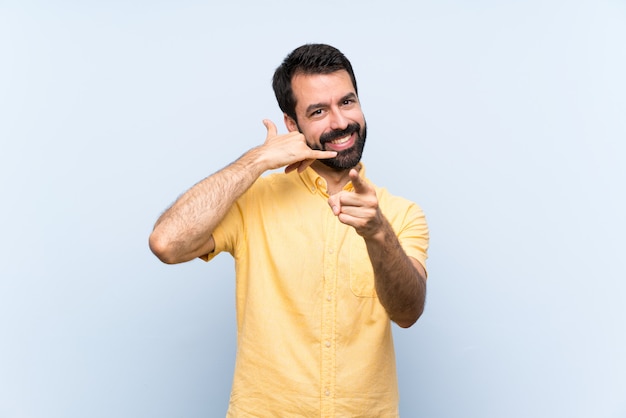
x,y
360,185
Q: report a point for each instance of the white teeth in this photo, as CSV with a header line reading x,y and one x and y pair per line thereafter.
x,y
341,140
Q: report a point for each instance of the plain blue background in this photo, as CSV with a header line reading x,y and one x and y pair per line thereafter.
x,y
504,120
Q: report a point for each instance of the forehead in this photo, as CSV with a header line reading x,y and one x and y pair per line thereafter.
x,y
321,88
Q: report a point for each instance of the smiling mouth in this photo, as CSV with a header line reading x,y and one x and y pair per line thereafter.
x,y
339,141
340,144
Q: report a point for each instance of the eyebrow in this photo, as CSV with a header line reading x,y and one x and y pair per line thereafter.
x,y
316,106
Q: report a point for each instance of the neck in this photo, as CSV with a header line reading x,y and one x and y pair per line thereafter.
x,y
335,179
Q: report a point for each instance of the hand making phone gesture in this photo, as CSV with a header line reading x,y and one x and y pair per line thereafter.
x,y
289,150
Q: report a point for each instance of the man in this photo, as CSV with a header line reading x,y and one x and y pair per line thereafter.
x,y
324,259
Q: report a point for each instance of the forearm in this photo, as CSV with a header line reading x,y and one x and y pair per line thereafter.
x,y
184,230
400,281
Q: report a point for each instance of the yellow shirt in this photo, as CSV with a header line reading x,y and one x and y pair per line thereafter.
x,y
312,340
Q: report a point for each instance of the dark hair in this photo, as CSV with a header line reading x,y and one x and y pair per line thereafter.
x,y
307,59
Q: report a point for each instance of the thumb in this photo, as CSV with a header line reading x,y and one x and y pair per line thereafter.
x,y
334,202
271,129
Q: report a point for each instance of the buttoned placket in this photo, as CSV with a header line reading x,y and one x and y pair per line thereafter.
x,y
329,312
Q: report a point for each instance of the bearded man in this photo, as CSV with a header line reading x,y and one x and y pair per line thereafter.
x,y
325,260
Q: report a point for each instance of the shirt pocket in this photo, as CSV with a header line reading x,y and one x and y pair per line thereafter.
x,y
361,270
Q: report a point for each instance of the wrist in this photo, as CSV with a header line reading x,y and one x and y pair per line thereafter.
x,y
255,162
379,233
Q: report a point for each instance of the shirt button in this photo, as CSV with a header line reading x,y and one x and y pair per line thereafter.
x,y
327,343
312,189
327,393
330,251
329,298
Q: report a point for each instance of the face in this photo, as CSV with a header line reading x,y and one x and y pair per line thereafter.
x,y
329,116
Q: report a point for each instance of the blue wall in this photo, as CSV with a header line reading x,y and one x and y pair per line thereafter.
x,y
504,120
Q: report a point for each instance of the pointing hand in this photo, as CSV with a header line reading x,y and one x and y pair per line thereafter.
x,y
358,208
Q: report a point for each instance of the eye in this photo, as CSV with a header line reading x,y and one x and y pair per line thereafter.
x,y
316,112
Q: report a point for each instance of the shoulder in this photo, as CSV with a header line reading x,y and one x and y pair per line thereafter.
x,y
270,185
397,208
273,181
385,198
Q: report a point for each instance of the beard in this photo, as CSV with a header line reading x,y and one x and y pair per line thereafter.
x,y
347,158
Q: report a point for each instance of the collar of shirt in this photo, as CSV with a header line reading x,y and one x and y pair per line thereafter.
x,y
314,182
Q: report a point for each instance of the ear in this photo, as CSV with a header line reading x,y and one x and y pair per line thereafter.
x,y
290,123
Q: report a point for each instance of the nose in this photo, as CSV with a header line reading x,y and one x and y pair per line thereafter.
x,y
338,120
